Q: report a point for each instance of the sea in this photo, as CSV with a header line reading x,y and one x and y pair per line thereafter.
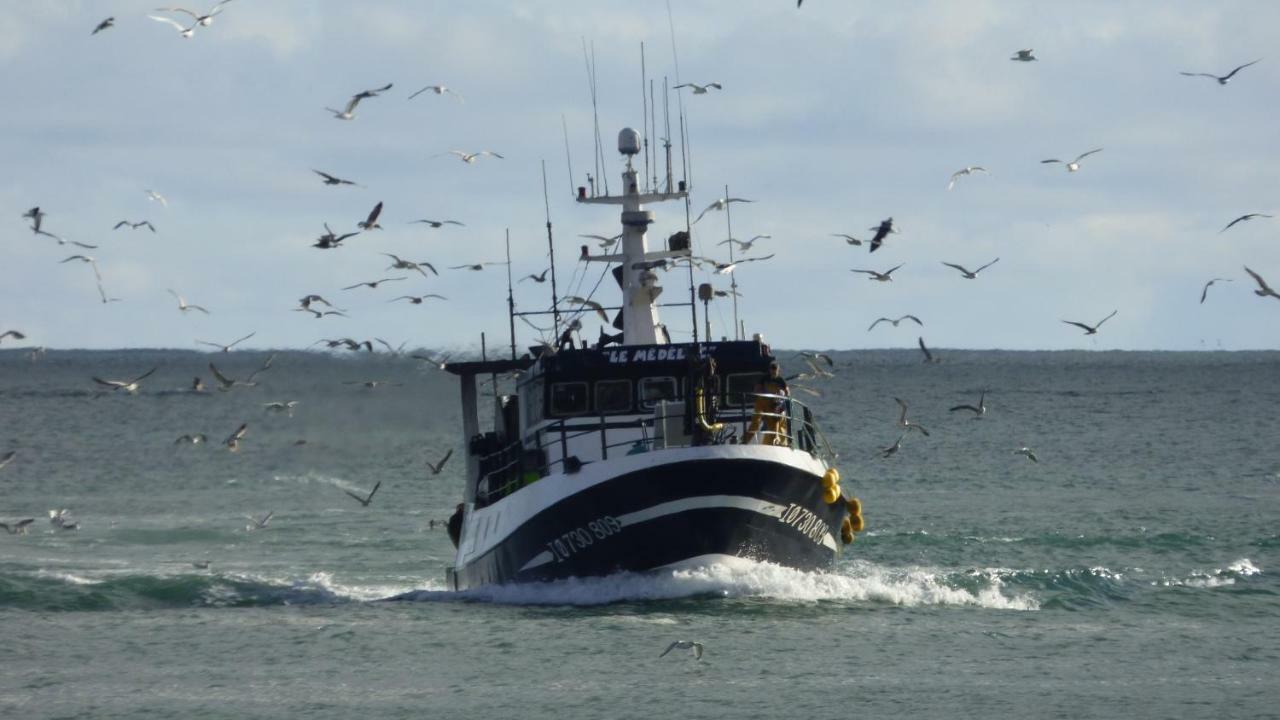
x,y
1131,571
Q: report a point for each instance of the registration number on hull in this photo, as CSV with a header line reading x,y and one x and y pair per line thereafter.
x,y
569,543
805,521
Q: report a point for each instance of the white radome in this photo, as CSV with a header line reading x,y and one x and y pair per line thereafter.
x,y
628,141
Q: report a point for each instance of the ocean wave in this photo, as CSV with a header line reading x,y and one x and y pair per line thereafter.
x,y
1219,577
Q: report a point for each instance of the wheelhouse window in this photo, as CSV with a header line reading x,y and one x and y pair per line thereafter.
x,y
569,398
654,389
736,387
613,396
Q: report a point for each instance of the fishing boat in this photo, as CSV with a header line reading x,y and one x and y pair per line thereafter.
x,y
634,453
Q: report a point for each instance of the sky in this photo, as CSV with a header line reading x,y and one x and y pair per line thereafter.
x,y
832,117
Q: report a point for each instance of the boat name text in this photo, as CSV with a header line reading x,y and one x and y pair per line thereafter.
x,y
805,521
622,357
579,538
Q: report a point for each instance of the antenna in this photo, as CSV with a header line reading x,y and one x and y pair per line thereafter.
x,y
733,275
653,127
644,80
511,300
567,157
551,254
595,113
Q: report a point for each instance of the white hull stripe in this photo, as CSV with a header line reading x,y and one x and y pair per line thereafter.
x,y
703,502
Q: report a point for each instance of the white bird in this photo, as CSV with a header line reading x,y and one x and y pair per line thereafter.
x,y
906,424
190,439
745,246
225,383
418,299
1031,455
365,500
685,645
928,356
1243,218
439,90
1205,292
129,386
879,276
348,113
7,458
847,238
895,447
1074,165
227,348
699,89
157,197
964,171
470,158
233,440
62,520
281,407
913,318
184,306
1222,79
437,223
204,20
1091,329
85,259
720,205
399,263
185,32
978,410
726,268
1024,56
258,524
1263,290
971,275
604,317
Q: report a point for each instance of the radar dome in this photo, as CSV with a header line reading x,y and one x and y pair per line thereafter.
x,y
629,142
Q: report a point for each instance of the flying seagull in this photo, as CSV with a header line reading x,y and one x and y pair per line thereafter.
x,y
1205,292
1074,165
399,263
15,334
227,348
281,407
258,524
964,171
1263,289
371,222
135,225
968,275
189,439
895,447
818,356
879,276
225,383
1024,56
720,204
437,467
61,519
978,410
1091,329
847,238
373,284
693,645
233,440
417,299
85,259
928,356
348,113
470,158
333,180
7,458
329,240
1031,455
726,268
307,300
906,424
604,317
185,32
19,527
129,386
699,89
882,231
437,223
205,19
895,322
439,90
184,306
1222,79
745,246
157,197
364,501
1243,218
109,22
539,278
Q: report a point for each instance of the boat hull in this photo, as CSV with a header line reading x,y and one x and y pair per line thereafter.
x,y
758,503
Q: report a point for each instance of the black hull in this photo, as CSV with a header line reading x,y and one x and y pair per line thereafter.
x,y
658,516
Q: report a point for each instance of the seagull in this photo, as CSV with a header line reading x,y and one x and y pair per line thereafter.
x,y
979,410
437,467
225,383
103,294
1205,293
109,22
895,447
63,241
720,205
258,524
1091,330
1031,454
605,242
879,276
183,306
417,299
329,240
604,317
882,231
7,458
906,424
440,363
306,301
16,335
373,284
185,32
1074,165
333,180
85,259
227,348
726,268
281,407
895,322
1024,56
1263,289
470,158
474,266
135,225
685,645
745,246
928,356
1243,218
974,274
348,113
699,89
371,384
402,264
188,439
129,386
437,223
818,356
1222,79
204,20
19,527
233,440
965,171
847,238
319,314
157,197
197,385
539,278
364,501
439,90
62,520
371,222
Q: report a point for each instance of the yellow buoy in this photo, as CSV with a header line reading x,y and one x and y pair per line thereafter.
x,y
857,523
855,506
831,494
831,477
846,535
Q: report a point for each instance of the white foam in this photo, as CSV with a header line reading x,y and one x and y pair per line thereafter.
x,y
1220,577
